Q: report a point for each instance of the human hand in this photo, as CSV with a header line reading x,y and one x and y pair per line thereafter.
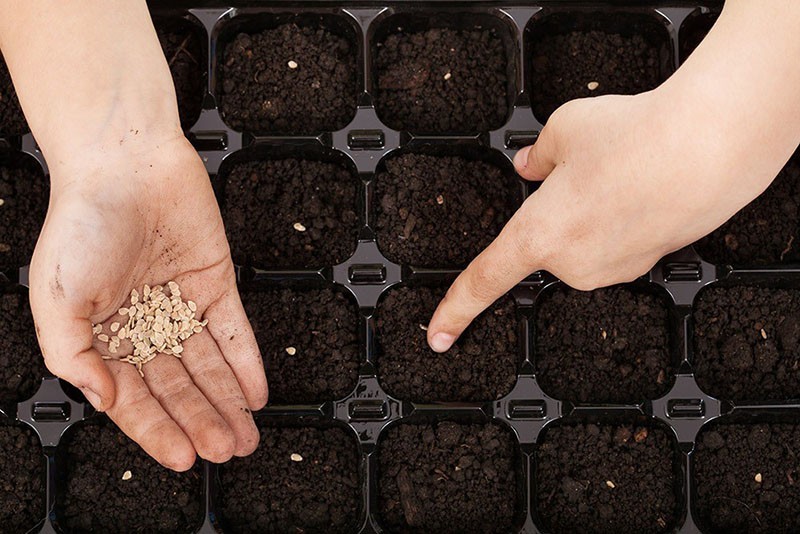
x,y
145,213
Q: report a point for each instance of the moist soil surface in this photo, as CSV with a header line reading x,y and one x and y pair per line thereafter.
x,y
728,459
24,192
447,478
481,366
320,328
12,121
22,479
604,346
268,491
746,343
290,79
95,498
565,66
767,231
606,479
441,211
185,57
21,363
290,213
442,81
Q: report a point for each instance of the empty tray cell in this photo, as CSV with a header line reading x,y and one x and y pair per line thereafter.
x,y
441,211
481,366
184,49
443,73
747,478
24,194
765,231
448,477
12,121
693,30
608,478
301,479
746,343
22,479
107,483
289,74
604,346
290,213
21,363
582,54
309,342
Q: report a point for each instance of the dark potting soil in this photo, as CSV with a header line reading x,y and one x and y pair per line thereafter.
x,y
21,363
290,79
317,491
746,343
442,81
320,328
23,205
447,478
604,346
22,479
481,366
765,232
565,66
93,496
441,211
185,57
694,30
604,479
290,213
12,121
728,459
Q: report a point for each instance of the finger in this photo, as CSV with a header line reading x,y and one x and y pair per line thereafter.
x,y
168,381
537,161
139,415
493,273
215,379
228,324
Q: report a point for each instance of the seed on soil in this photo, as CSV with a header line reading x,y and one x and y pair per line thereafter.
x,y
2,201
296,457
604,334
423,327
299,227
640,435
759,478
292,64
763,333
610,484
592,85
448,76
440,200
291,351
127,475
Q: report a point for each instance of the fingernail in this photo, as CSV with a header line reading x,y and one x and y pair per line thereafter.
x,y
93,398
521,157
441,342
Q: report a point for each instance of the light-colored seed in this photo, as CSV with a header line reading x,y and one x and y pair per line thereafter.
x,y
448,76
610,484
763,333
192,305
291,351
127,475
107,357
114,326
96,329
440,200
123,311
604,334
2,201
292,64
112,349
592,85
103,337
759,478
299,227
296,457
423,327
115,340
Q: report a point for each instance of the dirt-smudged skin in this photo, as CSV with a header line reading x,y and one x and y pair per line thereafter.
x,y
298,480
447,477
22,490
21,363
24,193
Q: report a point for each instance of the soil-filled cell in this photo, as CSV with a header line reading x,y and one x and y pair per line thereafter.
x,y
293,79
185,56
441,211
604,346
481,365
442,80
583,57
765,232
22,479
746,342
111,485
23,205
21,363
12,121
290,213
309,342
447,478
606,479
298,480
747,478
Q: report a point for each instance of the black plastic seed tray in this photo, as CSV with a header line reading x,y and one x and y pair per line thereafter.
x,y
366,276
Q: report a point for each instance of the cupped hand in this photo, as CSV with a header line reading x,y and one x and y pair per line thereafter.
x,y
145,213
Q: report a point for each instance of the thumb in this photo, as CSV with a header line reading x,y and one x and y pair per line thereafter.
x,y
537,161
507,260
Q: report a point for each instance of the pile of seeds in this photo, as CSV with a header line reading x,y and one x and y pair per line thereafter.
x,y
159,324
